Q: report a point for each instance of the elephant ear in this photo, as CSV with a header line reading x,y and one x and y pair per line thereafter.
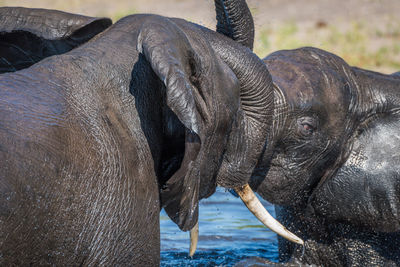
x,y
365,189
207,113
169,53
171,57
28,35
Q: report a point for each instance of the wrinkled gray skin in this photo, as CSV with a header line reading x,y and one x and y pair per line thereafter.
x,y
334,169
235,21
332,162
89,139
28,35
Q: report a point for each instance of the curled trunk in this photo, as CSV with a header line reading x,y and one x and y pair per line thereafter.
x,y
234,20
253,123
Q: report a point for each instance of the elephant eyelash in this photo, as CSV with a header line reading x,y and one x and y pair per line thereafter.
x,y
306,126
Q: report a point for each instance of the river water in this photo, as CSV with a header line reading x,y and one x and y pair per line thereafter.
x,y
228,233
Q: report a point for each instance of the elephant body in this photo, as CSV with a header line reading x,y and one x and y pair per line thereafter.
x,y
152,112
333,169
78,174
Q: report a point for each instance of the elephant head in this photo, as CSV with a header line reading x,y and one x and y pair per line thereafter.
x,y
334,129
230,163
248,136
251,128
331,162
28,35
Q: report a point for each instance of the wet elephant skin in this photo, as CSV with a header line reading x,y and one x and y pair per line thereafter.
x,y
333,168
90,138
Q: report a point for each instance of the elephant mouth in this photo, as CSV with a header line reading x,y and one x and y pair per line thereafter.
x,y
280,186
274,184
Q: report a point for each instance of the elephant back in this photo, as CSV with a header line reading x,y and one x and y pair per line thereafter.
x,y
28,35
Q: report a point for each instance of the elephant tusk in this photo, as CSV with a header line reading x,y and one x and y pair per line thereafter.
x,y
194,237
251,201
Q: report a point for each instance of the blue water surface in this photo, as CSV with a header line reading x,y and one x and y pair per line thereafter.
x,y
228,233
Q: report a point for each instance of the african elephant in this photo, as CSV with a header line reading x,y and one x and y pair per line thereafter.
x,y
152,112
331,165
333,169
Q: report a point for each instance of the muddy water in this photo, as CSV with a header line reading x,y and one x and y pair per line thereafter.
x,y
228,233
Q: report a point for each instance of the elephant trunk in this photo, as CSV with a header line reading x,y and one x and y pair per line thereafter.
x,y
235,21
253,122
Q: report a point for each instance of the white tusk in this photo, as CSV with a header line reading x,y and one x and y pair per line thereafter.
x,y
194,237
254,205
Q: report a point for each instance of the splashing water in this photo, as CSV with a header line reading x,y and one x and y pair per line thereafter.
x,y
228,233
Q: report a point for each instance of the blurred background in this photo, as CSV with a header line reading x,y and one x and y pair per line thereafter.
x,y
366,33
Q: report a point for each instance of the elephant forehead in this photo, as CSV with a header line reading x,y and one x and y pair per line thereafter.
x,y
310,77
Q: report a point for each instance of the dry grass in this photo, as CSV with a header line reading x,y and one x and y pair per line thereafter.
x,y
374,47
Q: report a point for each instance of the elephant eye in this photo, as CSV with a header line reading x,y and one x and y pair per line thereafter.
x,y
306,126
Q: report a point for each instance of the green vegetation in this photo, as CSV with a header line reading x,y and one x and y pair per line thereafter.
x,y
375,47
